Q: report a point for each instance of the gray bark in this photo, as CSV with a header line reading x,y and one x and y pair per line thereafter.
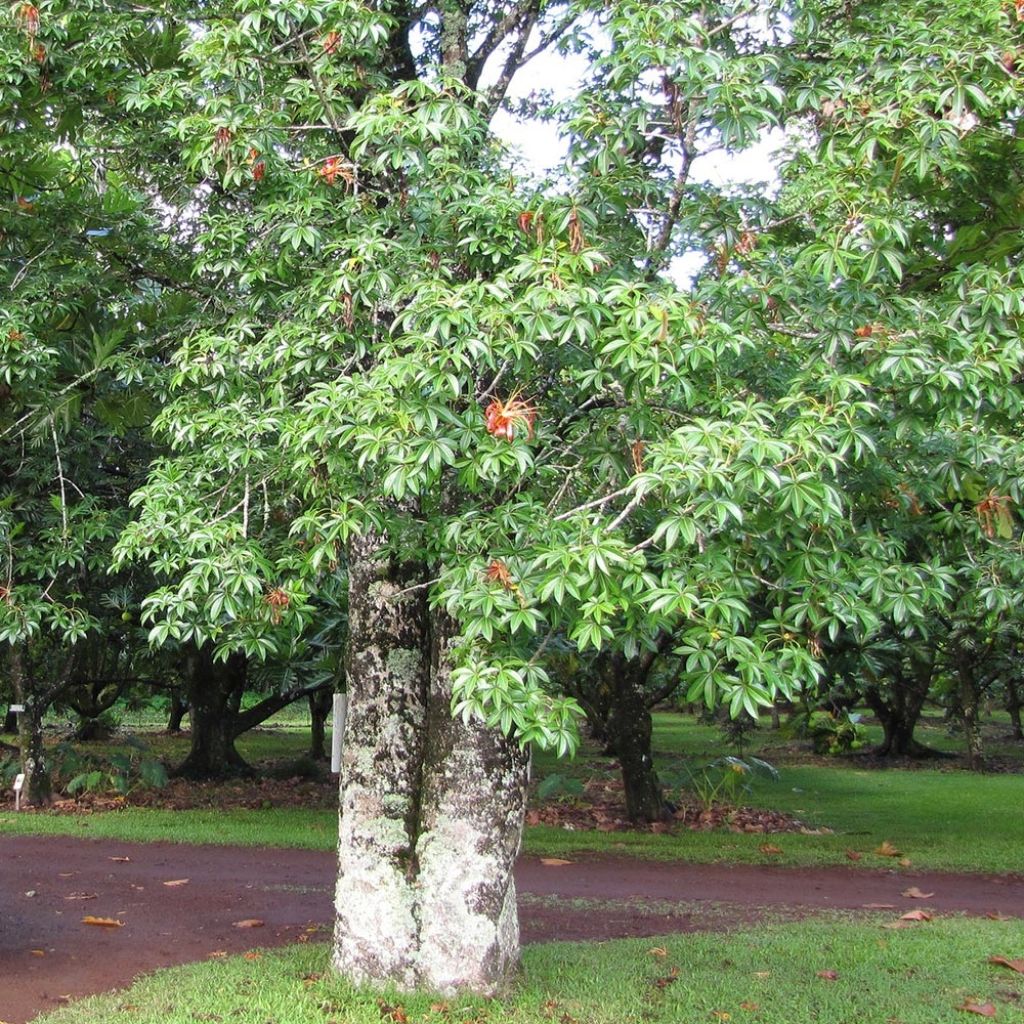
x,y
431,808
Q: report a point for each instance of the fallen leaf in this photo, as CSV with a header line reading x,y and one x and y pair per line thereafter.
x,y
1002,961
829,975
658,951
30,893
721,1015
916,915
176,882
249,922
913,893
770,849
887,850
439,1008
103,922
65,874
762,974
750,1006
554,862
217,954
994,915
311,979
982,1009
853,855
80,896
396,1014
121,860
905,862
253,956
38,952
879,906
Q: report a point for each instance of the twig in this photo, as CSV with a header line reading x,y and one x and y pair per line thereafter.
x,y
60,478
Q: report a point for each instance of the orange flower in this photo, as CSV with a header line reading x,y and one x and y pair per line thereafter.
x,y
502,418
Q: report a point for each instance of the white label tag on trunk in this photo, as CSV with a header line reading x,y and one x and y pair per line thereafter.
x,y
19,781
16,707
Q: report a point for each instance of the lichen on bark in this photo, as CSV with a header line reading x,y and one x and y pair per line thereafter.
x,y
431,807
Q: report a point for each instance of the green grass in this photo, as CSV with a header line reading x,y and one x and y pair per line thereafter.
x,y
298,827
952,821
940,819
769,975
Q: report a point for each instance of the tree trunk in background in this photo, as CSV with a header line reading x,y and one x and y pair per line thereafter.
x,y
899,710
38,787
215,691
1013,707
431,809
319,709
179,709
630,728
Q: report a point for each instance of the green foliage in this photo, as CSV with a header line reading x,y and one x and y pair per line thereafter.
x,y
726,780
271,271
79,772
831,732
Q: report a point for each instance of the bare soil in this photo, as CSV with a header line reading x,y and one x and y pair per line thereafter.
x,y
48,885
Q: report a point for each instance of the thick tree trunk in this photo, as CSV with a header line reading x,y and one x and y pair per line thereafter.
x,y
471,818
215,691
179,709
10,723
900,711
319,709
431,808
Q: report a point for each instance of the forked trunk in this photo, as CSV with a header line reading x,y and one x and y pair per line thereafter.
x,y
431,808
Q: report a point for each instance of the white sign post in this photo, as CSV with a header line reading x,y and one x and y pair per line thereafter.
x,y
19,782
340,709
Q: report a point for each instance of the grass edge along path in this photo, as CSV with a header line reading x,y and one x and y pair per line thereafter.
x,y
941,821
833,968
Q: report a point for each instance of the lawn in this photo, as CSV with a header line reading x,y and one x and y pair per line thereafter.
x,y
927,974
938,818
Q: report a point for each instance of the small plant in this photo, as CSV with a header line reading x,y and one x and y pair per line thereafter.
x,y
833,733
726,779
119,773
557,786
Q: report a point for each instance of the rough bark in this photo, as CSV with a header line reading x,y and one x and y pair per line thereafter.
x,y
388,672
431,808
471,818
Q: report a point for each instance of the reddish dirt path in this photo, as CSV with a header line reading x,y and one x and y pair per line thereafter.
x,y
42,878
